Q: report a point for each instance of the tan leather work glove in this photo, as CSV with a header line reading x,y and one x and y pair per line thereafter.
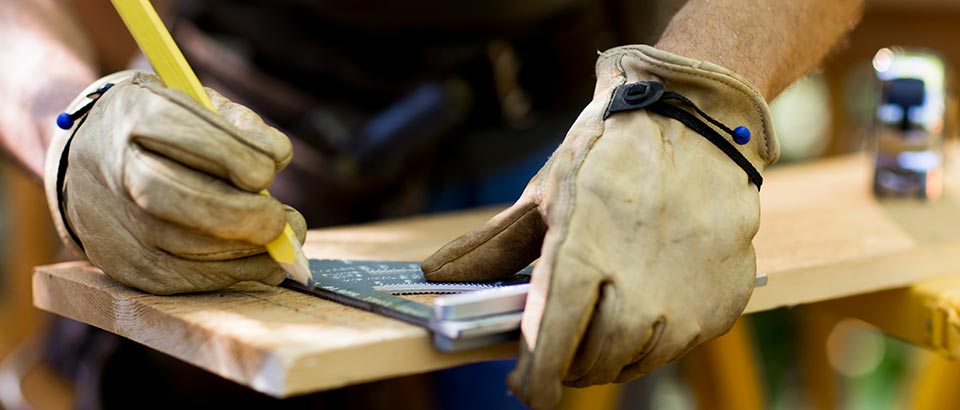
x,y
642,225
162,193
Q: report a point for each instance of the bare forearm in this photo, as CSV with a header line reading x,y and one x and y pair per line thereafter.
x,y
771,43
45,62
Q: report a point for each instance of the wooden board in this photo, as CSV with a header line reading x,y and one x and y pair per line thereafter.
x,y
823,236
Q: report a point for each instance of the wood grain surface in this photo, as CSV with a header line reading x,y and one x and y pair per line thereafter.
x,y
823,236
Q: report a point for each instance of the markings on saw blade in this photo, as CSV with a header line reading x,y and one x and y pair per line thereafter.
x,y
373,285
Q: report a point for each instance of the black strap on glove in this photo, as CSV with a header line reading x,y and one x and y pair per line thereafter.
x,y
67,121
651,96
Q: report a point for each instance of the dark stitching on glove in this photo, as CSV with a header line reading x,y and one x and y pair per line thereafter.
x,y
602,286
234,254
658,328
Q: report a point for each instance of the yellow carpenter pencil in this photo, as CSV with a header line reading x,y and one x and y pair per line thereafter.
x,y
167,60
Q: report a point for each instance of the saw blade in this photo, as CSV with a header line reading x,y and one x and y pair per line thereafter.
x,y
374,285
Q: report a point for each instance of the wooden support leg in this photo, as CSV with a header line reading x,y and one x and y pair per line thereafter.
x,y
594,398
841,125
30,241
819,379
926,313
722,372
28,383
935,386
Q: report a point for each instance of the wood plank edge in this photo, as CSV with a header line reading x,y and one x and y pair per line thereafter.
x,y
794,287
57,295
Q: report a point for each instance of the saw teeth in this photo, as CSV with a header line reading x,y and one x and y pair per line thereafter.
x,y
430,288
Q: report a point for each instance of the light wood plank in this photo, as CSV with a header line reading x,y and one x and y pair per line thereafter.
x,y
823,236
276,341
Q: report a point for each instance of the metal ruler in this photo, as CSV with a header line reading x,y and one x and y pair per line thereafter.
x,y
488,313
470,315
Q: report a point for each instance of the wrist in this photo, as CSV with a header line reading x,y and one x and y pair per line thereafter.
x,y
753,73
57,153
27,128
769,43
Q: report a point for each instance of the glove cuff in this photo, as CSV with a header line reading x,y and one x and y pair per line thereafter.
x,y
717,91
54,178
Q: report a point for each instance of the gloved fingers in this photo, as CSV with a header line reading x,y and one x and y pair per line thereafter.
x,y
547,354
259,268
508,242
203,142
253,130
196,246
174,193
297,222
175,275
609,341
610,364
667,343
193,245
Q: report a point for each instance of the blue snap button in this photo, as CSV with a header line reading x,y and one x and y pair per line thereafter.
x,y
64,121
741,135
